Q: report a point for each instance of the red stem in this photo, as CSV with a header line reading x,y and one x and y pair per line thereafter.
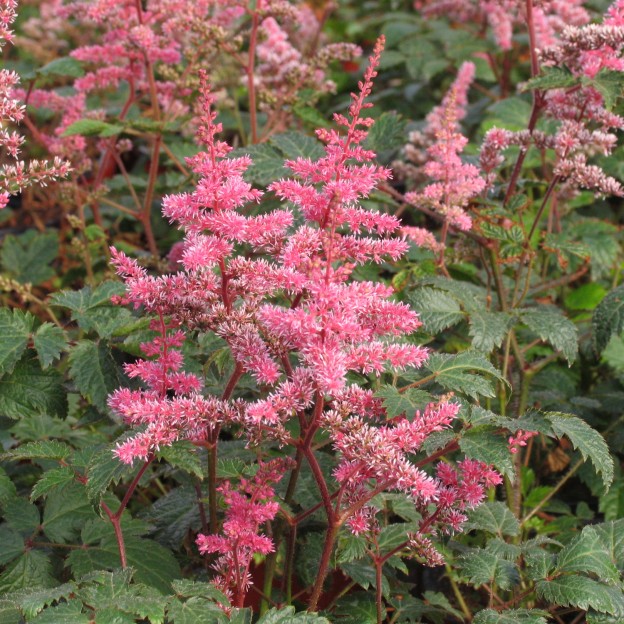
x,y
115,518
251,62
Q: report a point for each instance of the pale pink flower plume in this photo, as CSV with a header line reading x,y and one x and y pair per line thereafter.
x,y
455,182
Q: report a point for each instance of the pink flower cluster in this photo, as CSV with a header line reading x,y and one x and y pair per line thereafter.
x,y
249,506
520,439
376,459
504,16
455,182
17,175
586,127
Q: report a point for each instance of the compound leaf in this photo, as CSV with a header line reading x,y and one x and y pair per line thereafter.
x,y
15,329
28,391
495,518
586,440
49,341
95,372
554,328
583,592
511,616
608,318
458,373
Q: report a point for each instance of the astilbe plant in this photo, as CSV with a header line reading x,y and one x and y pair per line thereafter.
x,y
150,52
279,289
16,175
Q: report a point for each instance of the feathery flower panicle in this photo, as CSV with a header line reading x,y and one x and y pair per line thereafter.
x,y
249,506
17,175
455,182
278,289
505,16
585,126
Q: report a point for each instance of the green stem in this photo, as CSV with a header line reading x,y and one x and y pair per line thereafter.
x,y
550,494
458,595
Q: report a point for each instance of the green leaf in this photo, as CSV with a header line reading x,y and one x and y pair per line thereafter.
x,y
297,145
93,310
387,133
363,573
15,329
64,66
483,444
406,403
231,468
28,391
494,517
52,479
182,455
358,608
309,557
67,509
551,326
587,553
310,116
195,610
437,309
112,592
33,602
21,515
8,491
585,297
601,618
9,612
611,503
480,567
552,78
393,535
31,570
46,449
350,548
154,565
11,544
92,127
49,341
586,440
26,257
287,615
613,355
610,84
69,612
174,515
511,113
499,547
608,318
457,373
612,536
582,592
188,589
95,372
511,616
435,607
105,468
268,163
488,329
